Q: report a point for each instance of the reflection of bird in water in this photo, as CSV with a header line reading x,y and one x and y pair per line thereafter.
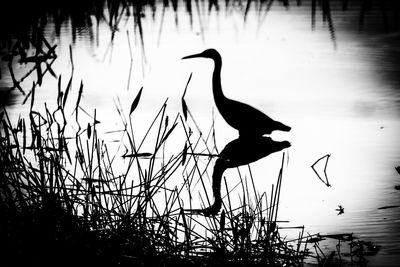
x,y
247,120
236,153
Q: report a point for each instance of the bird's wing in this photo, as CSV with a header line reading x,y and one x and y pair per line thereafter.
x,y
245,116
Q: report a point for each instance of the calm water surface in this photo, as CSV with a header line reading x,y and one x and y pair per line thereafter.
x,y
341,97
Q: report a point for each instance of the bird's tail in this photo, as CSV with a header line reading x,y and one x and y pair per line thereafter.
x,y
282,127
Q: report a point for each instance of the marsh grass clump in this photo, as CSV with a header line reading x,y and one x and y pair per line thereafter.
x,y
62,201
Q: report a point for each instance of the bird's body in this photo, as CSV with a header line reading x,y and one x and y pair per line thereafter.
x,y
248,120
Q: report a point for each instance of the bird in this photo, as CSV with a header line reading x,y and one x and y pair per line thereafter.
x,y
239,152
248,120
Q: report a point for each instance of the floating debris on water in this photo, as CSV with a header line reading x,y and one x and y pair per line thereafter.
x,y
388,207
316,239
365,248
325,181
340,209
342,237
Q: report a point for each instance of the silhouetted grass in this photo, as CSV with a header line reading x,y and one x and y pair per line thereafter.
x,y
21,17
65,199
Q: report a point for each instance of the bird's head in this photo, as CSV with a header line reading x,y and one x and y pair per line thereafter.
x,y
208,53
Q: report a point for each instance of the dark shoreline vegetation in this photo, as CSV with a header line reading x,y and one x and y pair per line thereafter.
x,y
23,24
66,199
22,17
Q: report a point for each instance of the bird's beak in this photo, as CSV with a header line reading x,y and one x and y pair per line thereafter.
x,y
193,56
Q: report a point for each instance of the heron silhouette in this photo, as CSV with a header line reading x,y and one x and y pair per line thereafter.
x,y
248,120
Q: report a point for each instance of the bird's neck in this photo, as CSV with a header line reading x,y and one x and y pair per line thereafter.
x,y
216,80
